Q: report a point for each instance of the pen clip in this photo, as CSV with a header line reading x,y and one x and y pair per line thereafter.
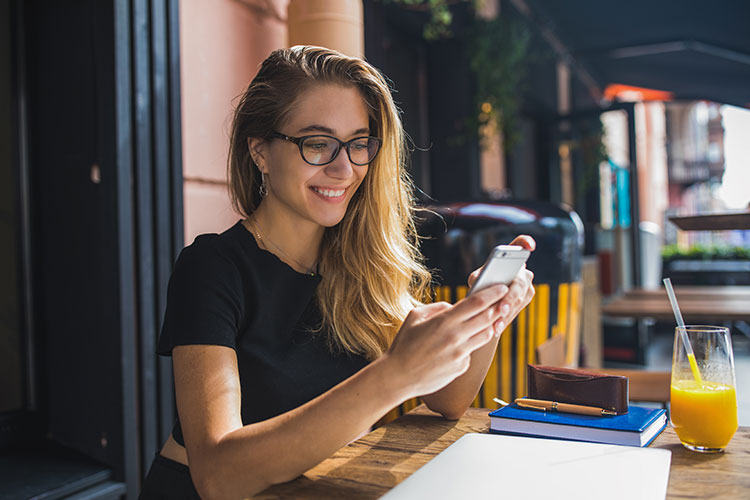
x,y
527,406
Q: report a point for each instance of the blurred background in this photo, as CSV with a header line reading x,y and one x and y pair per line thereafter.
x,y
588,124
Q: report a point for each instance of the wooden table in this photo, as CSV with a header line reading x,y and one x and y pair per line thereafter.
x,y
697,304
372,465
713,222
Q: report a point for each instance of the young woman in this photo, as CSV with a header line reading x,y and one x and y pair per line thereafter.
x,y
298,328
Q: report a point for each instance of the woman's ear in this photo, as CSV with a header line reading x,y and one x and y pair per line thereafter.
x,y
257,149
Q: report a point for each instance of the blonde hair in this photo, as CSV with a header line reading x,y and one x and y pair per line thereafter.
x,y
371,268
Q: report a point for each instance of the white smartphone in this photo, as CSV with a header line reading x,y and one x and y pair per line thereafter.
x,y
501,267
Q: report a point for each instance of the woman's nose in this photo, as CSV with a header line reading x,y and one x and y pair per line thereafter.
x,y
340,167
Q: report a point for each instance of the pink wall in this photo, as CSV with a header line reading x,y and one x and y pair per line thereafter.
x,y
222,42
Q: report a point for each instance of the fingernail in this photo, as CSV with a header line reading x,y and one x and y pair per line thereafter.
x,y
499,327
505,310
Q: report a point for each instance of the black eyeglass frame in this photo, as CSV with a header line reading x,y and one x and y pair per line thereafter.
x,y
345,145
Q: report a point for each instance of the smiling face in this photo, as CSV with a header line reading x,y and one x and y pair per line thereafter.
x,y
304,193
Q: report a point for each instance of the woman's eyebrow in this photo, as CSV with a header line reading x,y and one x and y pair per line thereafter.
x,y
330,131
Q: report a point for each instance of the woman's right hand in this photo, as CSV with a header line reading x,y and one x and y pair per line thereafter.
x,y
435,342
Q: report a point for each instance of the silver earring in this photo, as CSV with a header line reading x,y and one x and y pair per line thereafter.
x,y
263,189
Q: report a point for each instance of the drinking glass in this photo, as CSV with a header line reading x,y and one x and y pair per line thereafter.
x,y
704,404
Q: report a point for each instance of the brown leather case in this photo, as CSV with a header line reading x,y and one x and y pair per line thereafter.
x,y
579,387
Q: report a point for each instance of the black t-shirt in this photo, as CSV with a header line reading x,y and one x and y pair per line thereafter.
x,y
226,291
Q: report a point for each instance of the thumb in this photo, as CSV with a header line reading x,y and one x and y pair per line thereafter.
x,y
525,241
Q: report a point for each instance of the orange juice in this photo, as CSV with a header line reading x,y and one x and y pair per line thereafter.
x,y
703,415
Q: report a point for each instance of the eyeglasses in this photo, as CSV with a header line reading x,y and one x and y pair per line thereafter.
x,y
321,150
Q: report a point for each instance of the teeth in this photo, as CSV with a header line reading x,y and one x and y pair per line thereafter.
x,y
329,192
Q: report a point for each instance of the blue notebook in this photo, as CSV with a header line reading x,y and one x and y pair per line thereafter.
x,y
638,427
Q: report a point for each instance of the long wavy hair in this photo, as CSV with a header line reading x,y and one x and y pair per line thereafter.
x,y
372,271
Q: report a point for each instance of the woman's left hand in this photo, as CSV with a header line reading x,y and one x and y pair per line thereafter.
x,y
520,291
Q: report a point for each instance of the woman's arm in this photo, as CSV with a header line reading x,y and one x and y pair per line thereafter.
x,y
229,460
452,400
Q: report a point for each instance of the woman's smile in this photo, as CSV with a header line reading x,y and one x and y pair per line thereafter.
x,y
330,194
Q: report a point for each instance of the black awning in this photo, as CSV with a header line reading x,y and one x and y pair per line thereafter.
x,y
693,48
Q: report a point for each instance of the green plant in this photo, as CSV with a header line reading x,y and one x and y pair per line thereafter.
x,y
440,17
593,151
703,252
498,49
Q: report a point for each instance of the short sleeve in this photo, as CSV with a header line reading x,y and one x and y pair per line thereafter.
x,y
204,299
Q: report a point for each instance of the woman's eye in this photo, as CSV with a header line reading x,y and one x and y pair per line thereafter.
x,y
317,146
359,146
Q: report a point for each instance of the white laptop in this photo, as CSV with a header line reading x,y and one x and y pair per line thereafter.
x,y
482,466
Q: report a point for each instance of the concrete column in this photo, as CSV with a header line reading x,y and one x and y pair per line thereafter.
x,y
335,24
492,151
563,108
222,42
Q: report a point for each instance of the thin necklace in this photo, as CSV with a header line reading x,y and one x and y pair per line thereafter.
x,y
256,226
